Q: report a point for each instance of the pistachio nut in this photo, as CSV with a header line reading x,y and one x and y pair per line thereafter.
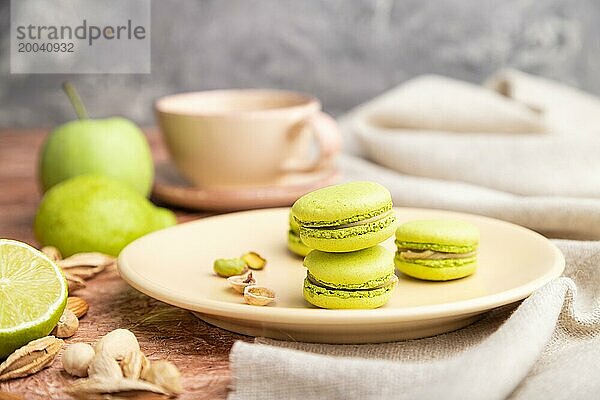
x,y
254,260
227,267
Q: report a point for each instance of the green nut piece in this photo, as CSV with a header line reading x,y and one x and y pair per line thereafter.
x,y
254,260
227,267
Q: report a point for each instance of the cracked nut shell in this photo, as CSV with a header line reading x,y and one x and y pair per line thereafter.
x,y
258,295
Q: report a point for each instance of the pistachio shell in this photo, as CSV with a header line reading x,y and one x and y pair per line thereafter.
x,y
258,295
239,282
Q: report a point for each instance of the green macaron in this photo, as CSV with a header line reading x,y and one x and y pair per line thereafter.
x,y
437,250
347,217
294,242
355,280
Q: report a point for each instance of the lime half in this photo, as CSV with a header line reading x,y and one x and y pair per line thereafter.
x,y
33,294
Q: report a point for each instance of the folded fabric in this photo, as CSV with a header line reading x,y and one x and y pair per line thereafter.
x,y
565,110
434,102
539,139
554,216
548,348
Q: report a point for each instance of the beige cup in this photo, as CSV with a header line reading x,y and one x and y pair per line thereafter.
x,y
250,137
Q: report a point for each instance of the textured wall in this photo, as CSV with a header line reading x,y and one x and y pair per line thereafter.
x,y
343,51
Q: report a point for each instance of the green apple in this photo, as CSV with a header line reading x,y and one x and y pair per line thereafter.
x,y
114,147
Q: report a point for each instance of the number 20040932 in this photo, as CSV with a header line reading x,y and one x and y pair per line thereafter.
x,y
28,47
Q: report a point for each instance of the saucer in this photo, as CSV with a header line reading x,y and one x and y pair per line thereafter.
x,y
172,188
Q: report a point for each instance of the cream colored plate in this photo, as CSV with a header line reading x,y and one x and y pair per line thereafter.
x,y
175,266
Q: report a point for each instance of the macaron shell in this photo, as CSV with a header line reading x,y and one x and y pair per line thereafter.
x,y
344,299
440,235
435,273
344,203
363,269
349,239
296,246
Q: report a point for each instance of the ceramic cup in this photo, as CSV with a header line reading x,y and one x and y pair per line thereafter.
x,y
250,137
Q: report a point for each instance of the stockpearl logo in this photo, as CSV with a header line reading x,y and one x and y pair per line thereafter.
x,y
86,36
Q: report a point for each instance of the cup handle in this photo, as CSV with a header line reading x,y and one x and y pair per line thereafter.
x,y
328,136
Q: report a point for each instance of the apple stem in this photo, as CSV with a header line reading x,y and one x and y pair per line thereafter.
x,y
75,100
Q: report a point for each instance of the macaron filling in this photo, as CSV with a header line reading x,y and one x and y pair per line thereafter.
x,y
314,288
371,284
441,248
438,263
351,229
435,259
412,254
350,222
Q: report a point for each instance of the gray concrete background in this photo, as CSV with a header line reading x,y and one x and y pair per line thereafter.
x,y
343,51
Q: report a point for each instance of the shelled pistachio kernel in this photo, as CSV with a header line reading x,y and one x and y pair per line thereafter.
x,y
254,261
227,267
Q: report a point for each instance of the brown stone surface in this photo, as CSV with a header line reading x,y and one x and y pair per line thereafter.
x,y
198,349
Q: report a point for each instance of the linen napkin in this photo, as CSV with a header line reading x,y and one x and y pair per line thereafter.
x,y
548,348
553,216
528,153
520,134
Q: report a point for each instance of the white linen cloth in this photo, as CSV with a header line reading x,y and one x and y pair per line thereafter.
x,y
554,216
522,149
542,140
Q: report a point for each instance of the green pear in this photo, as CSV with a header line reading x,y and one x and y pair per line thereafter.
x,y
96,213
114,147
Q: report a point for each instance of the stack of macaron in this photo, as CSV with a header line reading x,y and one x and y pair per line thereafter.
x,y
437,250
344,224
